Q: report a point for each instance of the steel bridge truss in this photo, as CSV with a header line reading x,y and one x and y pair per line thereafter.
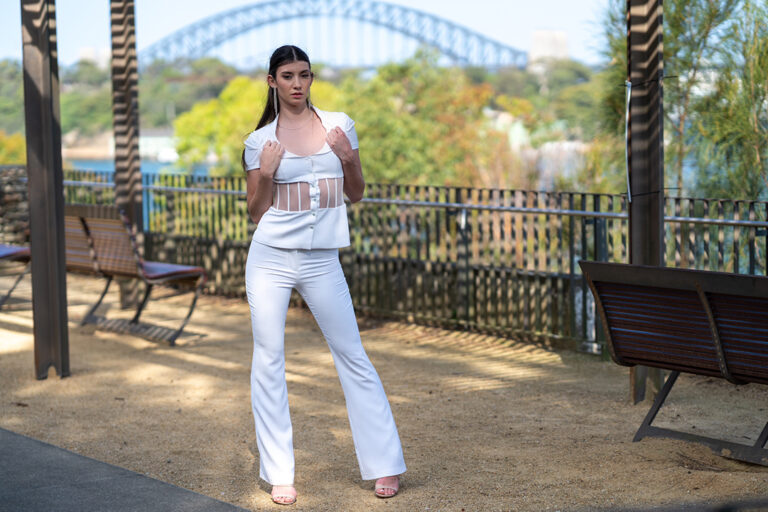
x,y
460,44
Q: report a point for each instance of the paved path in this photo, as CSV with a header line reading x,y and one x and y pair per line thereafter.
x,y
36,476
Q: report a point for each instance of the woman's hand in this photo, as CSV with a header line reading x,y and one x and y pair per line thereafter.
x,y
339,144
271,154
354,185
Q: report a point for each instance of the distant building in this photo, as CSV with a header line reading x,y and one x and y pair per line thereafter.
x,y
100,56
547,45
158,144
155,144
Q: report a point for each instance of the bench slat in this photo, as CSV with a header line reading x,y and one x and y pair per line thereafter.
x,y
743,328
77,249
645,326
114,251
657,317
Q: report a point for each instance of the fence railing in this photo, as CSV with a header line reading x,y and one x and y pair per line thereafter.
x,y
499,261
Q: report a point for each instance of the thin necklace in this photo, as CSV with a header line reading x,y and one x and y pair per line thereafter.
x,y
303,125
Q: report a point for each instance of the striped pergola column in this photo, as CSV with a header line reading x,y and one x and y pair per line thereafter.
x,y
45,186
125,107
646,151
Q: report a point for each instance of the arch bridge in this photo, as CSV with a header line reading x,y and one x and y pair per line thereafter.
x,y
461,45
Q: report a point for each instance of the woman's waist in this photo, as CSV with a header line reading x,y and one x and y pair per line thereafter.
x,y
307,195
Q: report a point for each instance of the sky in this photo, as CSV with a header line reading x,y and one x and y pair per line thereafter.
x,y
85,23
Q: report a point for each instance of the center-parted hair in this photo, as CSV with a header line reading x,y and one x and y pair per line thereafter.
x,y
284,55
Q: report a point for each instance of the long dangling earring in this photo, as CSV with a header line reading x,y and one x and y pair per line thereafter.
x,y
274,99
309,102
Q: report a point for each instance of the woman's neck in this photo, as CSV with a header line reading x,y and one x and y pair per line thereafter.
x,y
294,114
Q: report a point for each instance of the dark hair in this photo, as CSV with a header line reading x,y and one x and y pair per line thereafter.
x,y
284,55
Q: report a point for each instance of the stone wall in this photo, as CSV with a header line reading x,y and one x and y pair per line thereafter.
x,y
14,206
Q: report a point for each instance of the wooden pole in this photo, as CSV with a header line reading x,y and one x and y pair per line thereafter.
x,y
646,151
125,108
46,186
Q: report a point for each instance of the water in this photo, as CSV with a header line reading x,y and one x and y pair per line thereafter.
x,y
147,167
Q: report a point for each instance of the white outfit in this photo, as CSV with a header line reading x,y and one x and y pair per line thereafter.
x,y
316,227
298,248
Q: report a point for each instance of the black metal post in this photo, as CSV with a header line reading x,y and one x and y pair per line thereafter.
x,y
45,186
125,108
646,152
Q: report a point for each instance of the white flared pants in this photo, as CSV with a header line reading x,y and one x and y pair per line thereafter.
x,y
270,275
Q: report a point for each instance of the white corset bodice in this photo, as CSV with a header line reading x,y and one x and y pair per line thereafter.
x,y
308,210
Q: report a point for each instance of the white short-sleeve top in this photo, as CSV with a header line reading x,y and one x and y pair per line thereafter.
x,y
318,227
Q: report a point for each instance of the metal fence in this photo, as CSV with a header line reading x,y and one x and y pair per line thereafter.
x,y
498,261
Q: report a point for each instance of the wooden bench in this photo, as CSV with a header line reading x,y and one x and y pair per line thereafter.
x,y
699,322
14,253
98,240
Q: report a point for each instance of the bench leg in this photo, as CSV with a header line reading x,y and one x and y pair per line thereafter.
x,y
89,314
135,318
15,284
175,335
660,398
756,454
762,438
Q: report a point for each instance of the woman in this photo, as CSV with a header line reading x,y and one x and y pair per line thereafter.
x,y
300,161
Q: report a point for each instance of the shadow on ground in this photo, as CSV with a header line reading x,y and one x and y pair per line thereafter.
x,y
486,423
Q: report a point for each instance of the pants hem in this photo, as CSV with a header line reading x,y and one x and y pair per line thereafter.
x,y
375,475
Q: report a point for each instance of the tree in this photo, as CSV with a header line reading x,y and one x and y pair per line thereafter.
x,y
600,173
13,149
693,35
11,96
579,105
168,89
424,124
733,125
88,112
85,73
515,82
691,42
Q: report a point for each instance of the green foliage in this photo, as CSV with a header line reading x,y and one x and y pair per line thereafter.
x,y
692,42
219,126
168,89
578,105
11,96
88,112
558,74
613,97
516,83
419,123
84,73
715,58
556,99
13,149
733,125
601,172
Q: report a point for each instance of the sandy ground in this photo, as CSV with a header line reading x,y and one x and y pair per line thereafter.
x,y
486,424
